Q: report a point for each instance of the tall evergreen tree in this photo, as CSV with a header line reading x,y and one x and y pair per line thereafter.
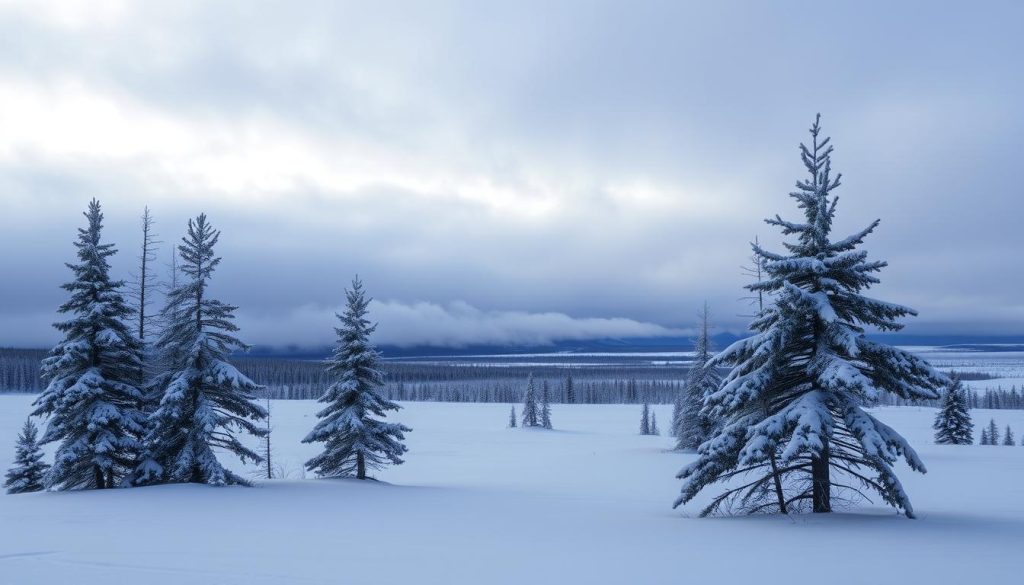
x,y
645,420
984,437
953,424
545,406
695,424
512,418
797,388
29,469
92,398
354,437
530,415
654,424
1008,437
204,400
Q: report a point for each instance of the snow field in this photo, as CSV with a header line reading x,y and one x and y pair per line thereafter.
x,y
589,502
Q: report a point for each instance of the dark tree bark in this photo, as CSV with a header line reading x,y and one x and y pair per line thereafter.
x,y
821,483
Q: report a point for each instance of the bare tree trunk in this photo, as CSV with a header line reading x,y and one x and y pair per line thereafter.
x,y
146,258
821,483
270,468
360,466
99,479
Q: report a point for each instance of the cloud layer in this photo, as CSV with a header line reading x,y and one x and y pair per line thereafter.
x,y
595,160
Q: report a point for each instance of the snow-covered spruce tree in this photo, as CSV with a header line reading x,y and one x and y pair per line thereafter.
x,y
545,406
953,424
28,471
695,425
530,416
645,420
92,399
993,432
204,400
984,437
796,392
512,418
1008,437
654,424
354,437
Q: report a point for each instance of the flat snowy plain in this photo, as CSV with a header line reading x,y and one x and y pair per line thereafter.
x,y
478,503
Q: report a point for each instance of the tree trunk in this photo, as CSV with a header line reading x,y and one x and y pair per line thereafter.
x,y
821,484
778,484
360,466
98,474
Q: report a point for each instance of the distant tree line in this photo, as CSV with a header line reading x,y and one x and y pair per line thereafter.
x,y
294,379
19,370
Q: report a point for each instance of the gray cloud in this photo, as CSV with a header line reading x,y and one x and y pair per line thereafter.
x,y
590,159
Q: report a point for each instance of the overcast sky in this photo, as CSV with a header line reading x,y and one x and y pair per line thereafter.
x,y
514,172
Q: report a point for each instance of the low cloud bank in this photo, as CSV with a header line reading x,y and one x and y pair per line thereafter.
x,y
455,324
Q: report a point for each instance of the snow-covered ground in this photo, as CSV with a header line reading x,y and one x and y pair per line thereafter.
x,y
478,503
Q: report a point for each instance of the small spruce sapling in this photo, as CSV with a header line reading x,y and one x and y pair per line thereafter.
x,y
953,424
530,417
26,475
545,406
993,432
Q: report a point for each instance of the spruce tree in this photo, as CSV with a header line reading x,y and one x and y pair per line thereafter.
x,y
29,470
645,420
570,389
1008,437
984,437
792,406
530,415
993,432
512,418
953,424
204,400
654,424
350,426
545,406
695,424
92,399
